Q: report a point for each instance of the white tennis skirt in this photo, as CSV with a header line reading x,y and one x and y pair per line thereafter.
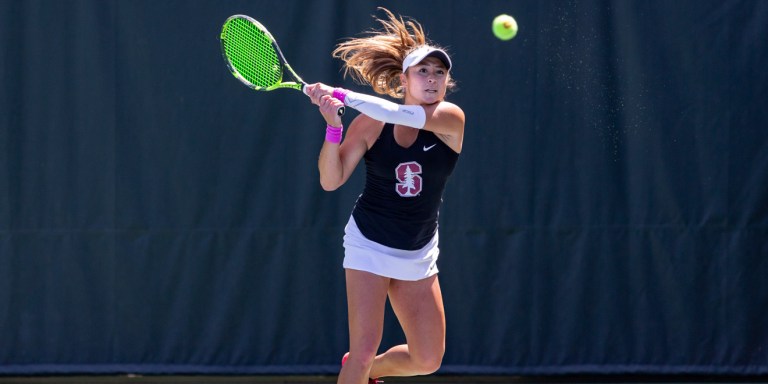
x,y
366,255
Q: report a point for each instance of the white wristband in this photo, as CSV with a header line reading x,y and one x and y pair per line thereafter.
x,y
384,110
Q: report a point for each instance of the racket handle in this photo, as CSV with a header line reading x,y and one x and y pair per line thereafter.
x,y
339,112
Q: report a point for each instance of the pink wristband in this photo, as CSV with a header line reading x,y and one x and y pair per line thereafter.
x,y
340,94
333,134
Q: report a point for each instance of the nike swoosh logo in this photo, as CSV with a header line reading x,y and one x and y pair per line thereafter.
x,y
428,148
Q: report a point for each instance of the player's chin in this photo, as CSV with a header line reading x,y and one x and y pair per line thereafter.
x,y
432,97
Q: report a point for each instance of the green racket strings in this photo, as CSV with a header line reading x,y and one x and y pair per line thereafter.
x,y
250,52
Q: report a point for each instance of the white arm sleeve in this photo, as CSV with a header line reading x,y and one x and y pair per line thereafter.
x,y
384,110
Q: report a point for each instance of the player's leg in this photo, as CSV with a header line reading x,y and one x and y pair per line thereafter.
x,y
366,298
419,308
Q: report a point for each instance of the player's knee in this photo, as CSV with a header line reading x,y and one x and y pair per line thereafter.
x,y
428,363
362,357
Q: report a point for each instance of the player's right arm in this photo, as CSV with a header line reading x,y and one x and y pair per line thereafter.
x,y
338,161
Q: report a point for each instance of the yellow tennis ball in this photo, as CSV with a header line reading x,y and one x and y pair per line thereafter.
x,y
504,27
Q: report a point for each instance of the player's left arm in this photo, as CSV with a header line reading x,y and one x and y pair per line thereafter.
x,y
443,118
446,120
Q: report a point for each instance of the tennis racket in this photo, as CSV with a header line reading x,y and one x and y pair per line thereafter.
x,y
253,56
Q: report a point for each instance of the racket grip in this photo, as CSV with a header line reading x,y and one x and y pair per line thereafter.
x,y
339,112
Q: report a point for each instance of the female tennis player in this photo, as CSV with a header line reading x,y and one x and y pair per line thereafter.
x,y
391,239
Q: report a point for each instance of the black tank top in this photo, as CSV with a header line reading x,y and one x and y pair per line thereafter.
x,y
403,189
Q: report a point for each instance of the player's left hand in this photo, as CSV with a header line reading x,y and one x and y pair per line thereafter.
x,y
329,107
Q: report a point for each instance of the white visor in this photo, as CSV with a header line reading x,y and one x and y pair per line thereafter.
x,y
421,53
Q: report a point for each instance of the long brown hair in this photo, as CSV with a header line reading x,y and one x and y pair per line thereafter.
x,y
377,59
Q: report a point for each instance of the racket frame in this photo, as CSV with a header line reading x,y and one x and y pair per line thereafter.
x,y
299,84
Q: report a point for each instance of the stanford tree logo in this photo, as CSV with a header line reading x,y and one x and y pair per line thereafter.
x,y
409,180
